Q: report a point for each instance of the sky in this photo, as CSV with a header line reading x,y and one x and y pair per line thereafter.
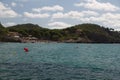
x,y
58,14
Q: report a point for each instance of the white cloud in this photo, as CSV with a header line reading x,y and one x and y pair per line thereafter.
x,y
6,12
49,8
112,19
36,15
90,13
58,25
95,5
107,19
9,24
58,15
71,14
111,16
74,14
13,4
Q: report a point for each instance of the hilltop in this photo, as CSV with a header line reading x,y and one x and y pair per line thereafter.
x,y
82,33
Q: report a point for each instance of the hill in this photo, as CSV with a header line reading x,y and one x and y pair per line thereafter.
x,y
3,32
82,33
93,33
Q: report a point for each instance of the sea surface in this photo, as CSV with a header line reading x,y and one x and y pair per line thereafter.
x,y
59,61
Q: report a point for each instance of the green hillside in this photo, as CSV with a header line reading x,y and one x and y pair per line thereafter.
x,y
94,33
3,32
88,33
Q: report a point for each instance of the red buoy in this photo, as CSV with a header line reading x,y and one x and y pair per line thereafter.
x,y
26,49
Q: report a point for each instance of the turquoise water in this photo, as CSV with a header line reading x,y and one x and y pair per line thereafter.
x,y
59,61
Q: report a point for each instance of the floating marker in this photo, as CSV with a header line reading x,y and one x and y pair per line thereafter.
x,y
26,49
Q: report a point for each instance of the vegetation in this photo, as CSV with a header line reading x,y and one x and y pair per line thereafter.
x,y
88,33
3,32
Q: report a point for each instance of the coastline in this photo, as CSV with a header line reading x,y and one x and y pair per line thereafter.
x,y
49,41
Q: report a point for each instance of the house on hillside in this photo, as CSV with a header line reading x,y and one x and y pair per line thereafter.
x,y
14,34
13,37
29,39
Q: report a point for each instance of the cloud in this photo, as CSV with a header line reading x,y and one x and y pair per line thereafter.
x,y
71,14
90,13
36,15
49,8
74,14
107,19
112,19
95,5
13,4
58,25
9,24
111,16
6,12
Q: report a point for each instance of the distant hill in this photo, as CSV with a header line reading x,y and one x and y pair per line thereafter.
x,y
29,29
82,33
93,33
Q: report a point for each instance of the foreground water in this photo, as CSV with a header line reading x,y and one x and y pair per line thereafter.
x,y
59,61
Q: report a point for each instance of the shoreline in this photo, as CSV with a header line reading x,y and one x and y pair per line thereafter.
x,y
47,41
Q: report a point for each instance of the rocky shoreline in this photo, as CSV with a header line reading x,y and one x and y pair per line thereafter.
x,y
22,40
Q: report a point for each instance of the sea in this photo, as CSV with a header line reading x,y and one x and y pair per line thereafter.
x,y
59,61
